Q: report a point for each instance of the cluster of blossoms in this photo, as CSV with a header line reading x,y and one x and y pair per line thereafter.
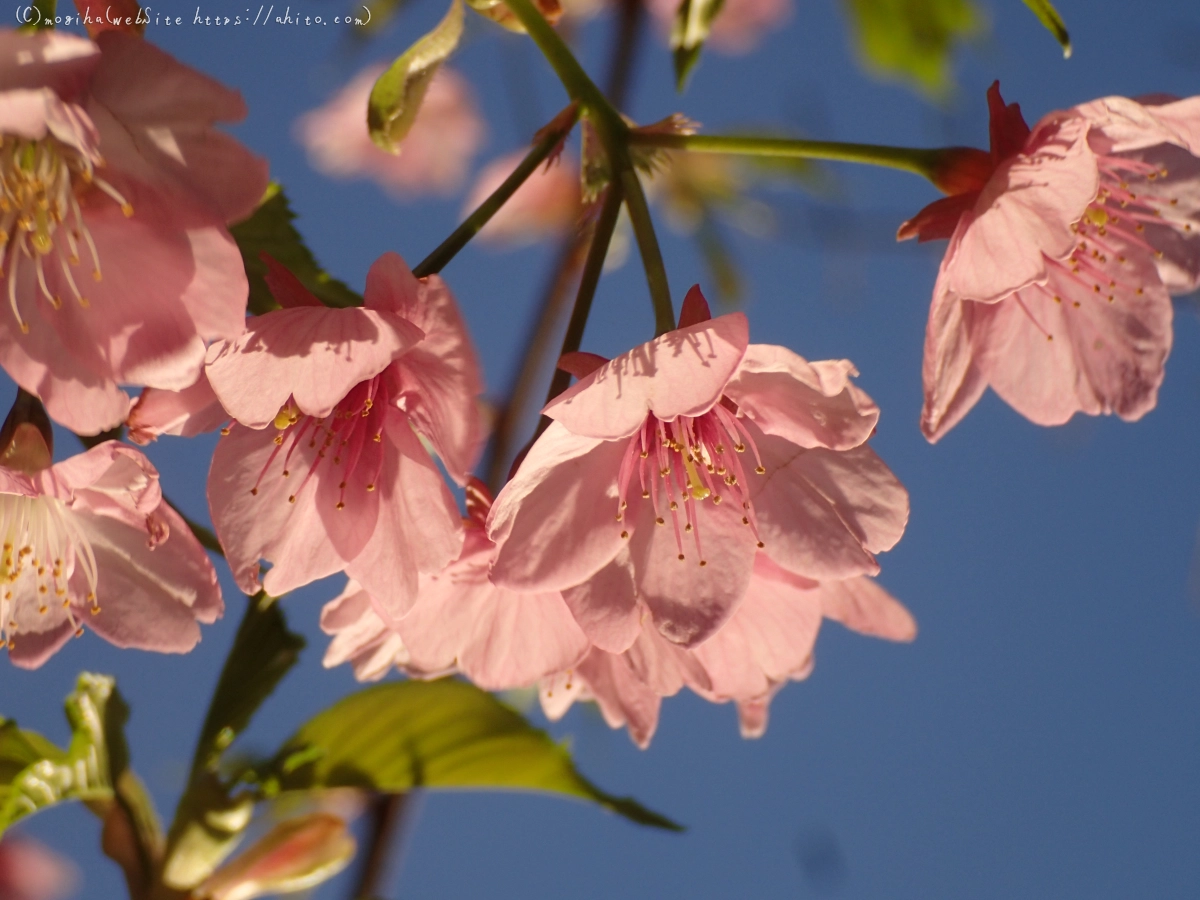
x,y
695,507
693,510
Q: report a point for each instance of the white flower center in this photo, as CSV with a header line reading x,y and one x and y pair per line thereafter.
x,y
39,186
42,546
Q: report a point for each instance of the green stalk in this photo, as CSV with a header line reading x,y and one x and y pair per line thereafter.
x,y
924,162
461,236
576,81
647,241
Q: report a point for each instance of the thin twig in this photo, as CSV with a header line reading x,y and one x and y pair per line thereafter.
x,y
472,225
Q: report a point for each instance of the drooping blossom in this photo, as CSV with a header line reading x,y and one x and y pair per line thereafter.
x,y
667,470
90,542
29,871
1065,244
546,205
499,638
115,193
739,26
322,470
434,156
767,642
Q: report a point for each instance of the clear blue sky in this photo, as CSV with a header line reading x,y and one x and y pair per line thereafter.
x,y
1041,738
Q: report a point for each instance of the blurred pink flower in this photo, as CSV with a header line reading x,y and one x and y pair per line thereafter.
x,y
767,642
323,471
1063,252
738,27
90,540
434,156
497,637
29,871
297,854
668,469
116,191
546,205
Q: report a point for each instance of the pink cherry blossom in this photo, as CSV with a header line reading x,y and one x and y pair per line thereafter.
x,y
116,192
547,204
767,642
29,871
497,637
667,470
738,27
89,541
322,470
1063,252
434,156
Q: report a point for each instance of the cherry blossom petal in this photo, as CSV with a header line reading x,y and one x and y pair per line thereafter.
x,y
606,606
1023,215
312,355
821,513
168,110
691,597
360,636
186,413
810,404
683,372
439,379
952,380
555,521
768,639
418,528
622,697
265,525
151,597
863,606
1105,357
1124,125
53,59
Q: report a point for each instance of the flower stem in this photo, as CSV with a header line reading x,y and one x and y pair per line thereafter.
x,y
562,277
924,162
593,268
576,81
471,226
652,261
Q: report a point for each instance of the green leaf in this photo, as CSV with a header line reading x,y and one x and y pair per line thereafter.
x,y
912,40
1049,17
269,230
263,651
433,734
398,93
689,31
35,774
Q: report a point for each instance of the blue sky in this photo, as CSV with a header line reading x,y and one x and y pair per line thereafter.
x,y
1039,739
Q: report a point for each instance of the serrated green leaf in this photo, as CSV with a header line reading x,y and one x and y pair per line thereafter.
x,y
690,29
397,95
35,774
270,230
434,734
1054,23
912,40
